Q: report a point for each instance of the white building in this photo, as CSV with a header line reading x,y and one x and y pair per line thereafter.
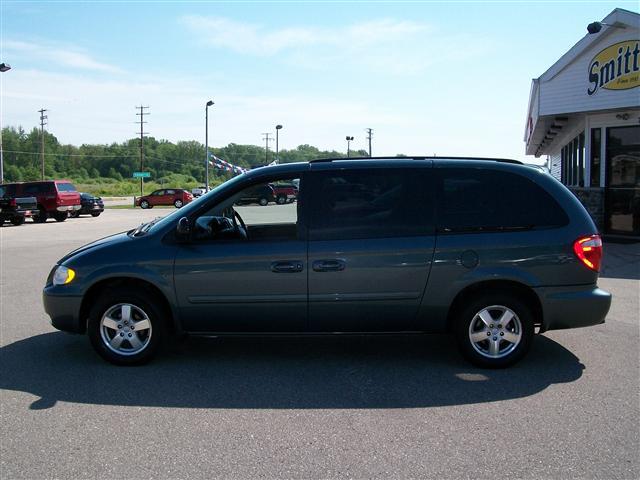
x,y
584,115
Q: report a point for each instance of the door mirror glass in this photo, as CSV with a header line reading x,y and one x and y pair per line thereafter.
x,y
184,227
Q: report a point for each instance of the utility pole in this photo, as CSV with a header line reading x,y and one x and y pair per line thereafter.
x,y
267,138
369,135
142,134
43,122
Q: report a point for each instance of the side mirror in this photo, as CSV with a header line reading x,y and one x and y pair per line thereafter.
x,y
184,227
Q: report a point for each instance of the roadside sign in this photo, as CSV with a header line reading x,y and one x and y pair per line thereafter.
x,y
141,174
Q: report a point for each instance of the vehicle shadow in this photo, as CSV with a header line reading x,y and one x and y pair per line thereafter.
x,y
274,373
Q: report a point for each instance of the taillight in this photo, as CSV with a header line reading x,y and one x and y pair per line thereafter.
x,y
12,203
589,251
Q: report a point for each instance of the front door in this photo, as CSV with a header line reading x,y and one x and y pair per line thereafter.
x,y
371,241
243,278
622,207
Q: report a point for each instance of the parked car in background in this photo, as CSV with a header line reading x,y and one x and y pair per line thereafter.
x,y
89,205
198,191
55,198
15,209
284,193
260,194
490,251
165,196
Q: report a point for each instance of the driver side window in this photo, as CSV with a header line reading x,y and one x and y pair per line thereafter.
x,y
260,212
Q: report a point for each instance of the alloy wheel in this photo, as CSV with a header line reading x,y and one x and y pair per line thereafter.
x,y
125,329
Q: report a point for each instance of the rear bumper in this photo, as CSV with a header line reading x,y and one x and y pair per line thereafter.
x,y
67,208
573,307
64,310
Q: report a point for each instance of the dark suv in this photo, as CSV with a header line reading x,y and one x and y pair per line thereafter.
x,y
488,250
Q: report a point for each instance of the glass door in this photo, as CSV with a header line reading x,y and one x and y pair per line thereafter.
x,y
622,198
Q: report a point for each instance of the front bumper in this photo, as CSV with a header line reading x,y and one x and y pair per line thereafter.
x,y
64,310
573,307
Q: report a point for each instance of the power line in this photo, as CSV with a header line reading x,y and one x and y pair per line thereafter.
x,y
369,135
266,139
70,154
142,134
43,122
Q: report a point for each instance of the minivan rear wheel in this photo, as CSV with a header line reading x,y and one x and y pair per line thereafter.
x,y
494,330
125,327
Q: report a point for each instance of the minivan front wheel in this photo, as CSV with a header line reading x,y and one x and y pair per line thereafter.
x,y
494,331
125,328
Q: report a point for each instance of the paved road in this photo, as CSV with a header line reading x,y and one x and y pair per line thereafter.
x,y
332,408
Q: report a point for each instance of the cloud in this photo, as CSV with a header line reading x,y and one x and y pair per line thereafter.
x,y
69,56
254,39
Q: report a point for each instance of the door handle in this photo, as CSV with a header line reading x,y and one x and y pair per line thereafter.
x,y
334,265
287,267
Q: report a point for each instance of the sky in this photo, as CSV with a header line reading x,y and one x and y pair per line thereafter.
x,y
443,78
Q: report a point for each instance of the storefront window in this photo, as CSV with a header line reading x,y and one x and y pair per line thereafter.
x,y
596,144
572,158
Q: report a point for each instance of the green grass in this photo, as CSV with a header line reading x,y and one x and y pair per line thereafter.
x,y
110,187
131,207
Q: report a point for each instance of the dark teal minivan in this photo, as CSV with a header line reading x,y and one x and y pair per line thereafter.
x,y
489,250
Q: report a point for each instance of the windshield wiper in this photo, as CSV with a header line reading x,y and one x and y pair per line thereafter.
x,y
143,227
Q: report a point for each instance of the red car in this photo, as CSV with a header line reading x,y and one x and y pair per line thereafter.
x,y
165,196
284,193
56,198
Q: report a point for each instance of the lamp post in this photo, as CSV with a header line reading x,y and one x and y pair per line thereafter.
x,y
349,139
206,145
4,67
278,128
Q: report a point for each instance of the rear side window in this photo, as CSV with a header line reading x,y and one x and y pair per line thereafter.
x,y
66,187
38,188
371,204
492,200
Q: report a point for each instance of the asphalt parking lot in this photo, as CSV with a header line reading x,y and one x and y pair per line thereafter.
x,y
366,407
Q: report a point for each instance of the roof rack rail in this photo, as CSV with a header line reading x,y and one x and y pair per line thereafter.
x,y
502,160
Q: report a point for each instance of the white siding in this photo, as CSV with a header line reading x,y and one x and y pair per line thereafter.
x,y
567,91
555,167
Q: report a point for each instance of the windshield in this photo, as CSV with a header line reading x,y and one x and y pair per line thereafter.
x,y
66,187
194,205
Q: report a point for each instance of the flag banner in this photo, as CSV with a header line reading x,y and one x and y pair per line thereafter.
x,y
226,166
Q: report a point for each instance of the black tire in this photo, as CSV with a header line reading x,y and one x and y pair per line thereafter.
x,y
263,201
140,301
60,216
96,214
144,204
505,353
281,200
17,221
42,215
178,203
74,214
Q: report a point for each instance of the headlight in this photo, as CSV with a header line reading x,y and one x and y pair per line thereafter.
x,y
63,275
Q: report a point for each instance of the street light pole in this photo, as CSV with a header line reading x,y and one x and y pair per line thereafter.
x,y
206,144
4,67
349,145
278,128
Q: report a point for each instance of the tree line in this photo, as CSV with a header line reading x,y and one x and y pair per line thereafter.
x,y
118,161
